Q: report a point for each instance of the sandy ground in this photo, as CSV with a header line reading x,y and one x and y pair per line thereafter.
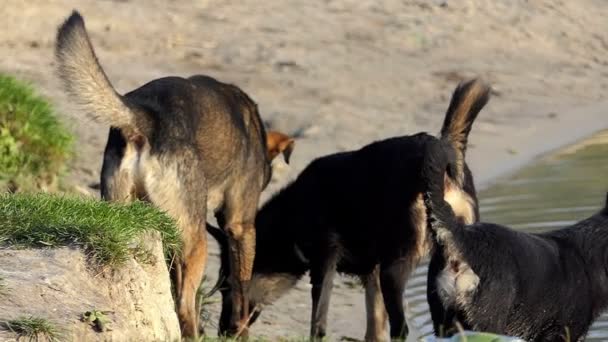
x,y
340,74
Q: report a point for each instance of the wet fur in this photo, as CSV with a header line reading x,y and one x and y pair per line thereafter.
x,y
361,213
539,287
187,145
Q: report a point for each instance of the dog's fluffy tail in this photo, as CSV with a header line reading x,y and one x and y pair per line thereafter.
x,y
438,159
468,99
87,83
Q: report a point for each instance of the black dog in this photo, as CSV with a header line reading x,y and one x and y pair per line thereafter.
x,y
539,287
359,213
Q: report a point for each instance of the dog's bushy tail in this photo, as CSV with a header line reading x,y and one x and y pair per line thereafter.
x,y
86,82
438,159
468,99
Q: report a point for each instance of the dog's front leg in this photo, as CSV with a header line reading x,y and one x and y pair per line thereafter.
x,y
377,318
322,279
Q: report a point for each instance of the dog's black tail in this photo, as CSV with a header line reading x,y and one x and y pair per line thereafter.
x,y
86,82
438,159
468,99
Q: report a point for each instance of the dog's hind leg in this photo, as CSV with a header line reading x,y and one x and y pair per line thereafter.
x,y
322,275
393,277
239,213
177,186
374,306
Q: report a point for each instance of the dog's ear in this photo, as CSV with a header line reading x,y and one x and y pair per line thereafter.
x,y
277,142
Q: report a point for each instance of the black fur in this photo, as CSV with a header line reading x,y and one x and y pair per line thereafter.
x,y
349,212
539,287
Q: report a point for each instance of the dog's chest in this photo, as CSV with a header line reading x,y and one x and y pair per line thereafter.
x,y
456,284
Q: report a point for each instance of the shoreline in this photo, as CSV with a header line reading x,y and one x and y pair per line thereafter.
x,y
489,167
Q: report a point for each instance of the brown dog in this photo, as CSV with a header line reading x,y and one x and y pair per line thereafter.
x,y
190,145
117,183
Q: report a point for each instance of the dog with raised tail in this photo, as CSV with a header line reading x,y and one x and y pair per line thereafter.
x,y
189,146
539,287
360,213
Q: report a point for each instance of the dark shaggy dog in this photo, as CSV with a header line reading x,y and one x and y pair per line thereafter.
x,y
189,145
539,287
359,213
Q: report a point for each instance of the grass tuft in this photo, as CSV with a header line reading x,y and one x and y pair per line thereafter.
x,y
33,328
34,146
106,230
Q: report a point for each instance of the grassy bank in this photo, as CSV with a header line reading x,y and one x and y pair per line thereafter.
x,y
34,146
105,230
33,329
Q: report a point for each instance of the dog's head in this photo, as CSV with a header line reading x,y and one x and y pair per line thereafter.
x,y
276,143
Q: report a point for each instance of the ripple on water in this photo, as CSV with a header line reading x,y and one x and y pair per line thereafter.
x,y
554,192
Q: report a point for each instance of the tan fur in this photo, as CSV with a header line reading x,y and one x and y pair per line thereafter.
x,y
477,90
277,142
86,81
455,286
462,204
456,132
245,233
167,188
127,182
265,289
457,281
418,215
377,318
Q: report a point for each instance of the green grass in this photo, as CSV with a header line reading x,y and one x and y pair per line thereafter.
x,y
32,328
34,146
106,230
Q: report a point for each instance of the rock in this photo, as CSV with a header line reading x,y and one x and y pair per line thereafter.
x,y
60,285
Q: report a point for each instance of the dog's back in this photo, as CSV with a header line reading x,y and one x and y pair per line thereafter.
x,y
358,199
218,118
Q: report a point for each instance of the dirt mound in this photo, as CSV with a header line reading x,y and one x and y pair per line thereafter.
x,y
59,286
